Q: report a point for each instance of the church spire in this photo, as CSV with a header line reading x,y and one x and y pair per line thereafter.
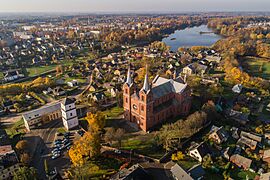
x,y
146,86
129,79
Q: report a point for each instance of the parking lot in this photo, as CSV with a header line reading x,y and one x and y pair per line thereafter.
x,y
47,144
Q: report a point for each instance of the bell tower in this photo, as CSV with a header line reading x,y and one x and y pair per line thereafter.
x,y
146,104
128,89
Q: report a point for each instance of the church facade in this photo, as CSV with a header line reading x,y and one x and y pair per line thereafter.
x,y
156,102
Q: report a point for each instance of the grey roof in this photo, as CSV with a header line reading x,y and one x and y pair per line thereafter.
x,y
129,79
163,86
41,111
146,86
68,101
180,173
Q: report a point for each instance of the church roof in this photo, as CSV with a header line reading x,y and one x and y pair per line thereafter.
x,y
163,86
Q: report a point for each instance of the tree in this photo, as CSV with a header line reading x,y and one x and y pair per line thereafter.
x,y
178,156
86,147
25,158
207,161
22,146
25,173
109,135
119,133
96,121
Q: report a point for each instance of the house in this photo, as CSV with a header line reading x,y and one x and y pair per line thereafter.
x,y
196,172
244,141
73,83
135,172
266,156
194,68
265,176
114,91
178,173
7,104
48,91
268,107
93,87
12,75
237,88
238,116
4,138
226,153
251,136
218,134
9,162
59,91
198,151
98,96
241,161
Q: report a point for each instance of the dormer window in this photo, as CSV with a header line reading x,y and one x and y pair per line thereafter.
x,y
142,98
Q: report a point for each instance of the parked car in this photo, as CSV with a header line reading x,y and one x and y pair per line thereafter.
x,y
55,156
117,151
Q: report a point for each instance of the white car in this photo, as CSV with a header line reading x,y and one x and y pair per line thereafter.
x,y
55,156
117,151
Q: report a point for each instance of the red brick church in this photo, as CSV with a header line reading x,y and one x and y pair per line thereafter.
x,y
156,102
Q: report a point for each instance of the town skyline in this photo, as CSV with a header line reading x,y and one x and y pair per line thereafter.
x,y
140,6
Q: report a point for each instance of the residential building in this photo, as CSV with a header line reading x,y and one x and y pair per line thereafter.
x,y
178,173
241,161
155,102
194,68
218,134
198,151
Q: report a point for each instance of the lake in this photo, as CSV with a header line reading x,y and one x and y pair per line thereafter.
x,y
191,37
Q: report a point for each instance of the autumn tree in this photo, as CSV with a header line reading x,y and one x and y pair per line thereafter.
x,y
96,121
25,158
22,146
25,173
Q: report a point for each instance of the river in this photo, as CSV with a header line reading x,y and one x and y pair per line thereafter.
x,y
191,37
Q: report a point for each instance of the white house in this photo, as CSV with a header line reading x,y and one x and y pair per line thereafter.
x,y
69,113
199,151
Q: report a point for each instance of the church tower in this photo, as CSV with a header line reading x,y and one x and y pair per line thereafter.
x,y
128,89
146,104
69,113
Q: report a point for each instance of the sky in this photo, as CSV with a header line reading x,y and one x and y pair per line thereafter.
x,y
132,5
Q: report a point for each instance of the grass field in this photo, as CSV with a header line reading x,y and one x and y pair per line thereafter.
x,y
33,71
113,112
143,144
255,66
1,75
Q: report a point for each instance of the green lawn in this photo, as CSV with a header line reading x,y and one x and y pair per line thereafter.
x,y
187,162
240,174
96,169
1,75
114,112
16,128
143,144
257,66
33,71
